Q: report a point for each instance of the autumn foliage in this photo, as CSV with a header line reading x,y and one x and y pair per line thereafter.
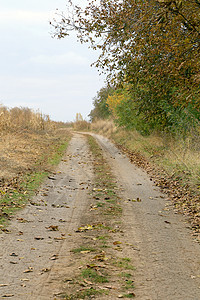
x,y
151,48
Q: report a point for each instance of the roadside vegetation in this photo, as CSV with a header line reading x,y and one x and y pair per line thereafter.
x,y
30,145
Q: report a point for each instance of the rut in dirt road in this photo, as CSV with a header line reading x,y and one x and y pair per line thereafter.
x,y
168,259
42,234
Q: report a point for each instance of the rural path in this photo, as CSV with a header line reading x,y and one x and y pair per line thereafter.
x,y
35,254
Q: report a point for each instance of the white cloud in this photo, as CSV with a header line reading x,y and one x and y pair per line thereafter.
x,y
67,58
60,97
22,16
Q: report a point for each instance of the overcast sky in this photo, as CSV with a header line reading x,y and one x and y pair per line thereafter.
x,y
38,71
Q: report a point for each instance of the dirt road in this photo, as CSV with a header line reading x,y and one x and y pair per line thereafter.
x,y
35,254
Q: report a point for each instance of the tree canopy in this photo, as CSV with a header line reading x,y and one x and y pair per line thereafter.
x,y
151,45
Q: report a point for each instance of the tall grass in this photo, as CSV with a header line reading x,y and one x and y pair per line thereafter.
x,y
81,125
105,127
12,119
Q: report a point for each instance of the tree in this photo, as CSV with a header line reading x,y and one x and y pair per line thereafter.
x,y
101,109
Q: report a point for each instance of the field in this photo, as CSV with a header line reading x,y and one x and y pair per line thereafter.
x,y
30,144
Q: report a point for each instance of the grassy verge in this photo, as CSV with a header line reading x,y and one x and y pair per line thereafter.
x,y
102,268
15,192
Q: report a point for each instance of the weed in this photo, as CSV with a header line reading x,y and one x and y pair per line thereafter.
x,y
94,276
59,151
82,249
129,284
103,237
100,204
130,295
83,294
115,210
123,263
125,275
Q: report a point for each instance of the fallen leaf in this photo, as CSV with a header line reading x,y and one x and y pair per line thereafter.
x,y
5,230
45,270
34,203
92,266
45,194
116,243
118,248
51,178
100,257
13,254
25,279
62,221
30,269
3,284
53,228
110,287
85,228
167,222
59,238
54,257
87,281
21,220
38,238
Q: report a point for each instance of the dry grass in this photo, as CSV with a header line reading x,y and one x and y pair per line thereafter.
x,y
81,125
23,118
20,152
26,140
176,156
104,127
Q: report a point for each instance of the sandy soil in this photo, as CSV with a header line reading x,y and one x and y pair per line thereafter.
x,y
35,255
